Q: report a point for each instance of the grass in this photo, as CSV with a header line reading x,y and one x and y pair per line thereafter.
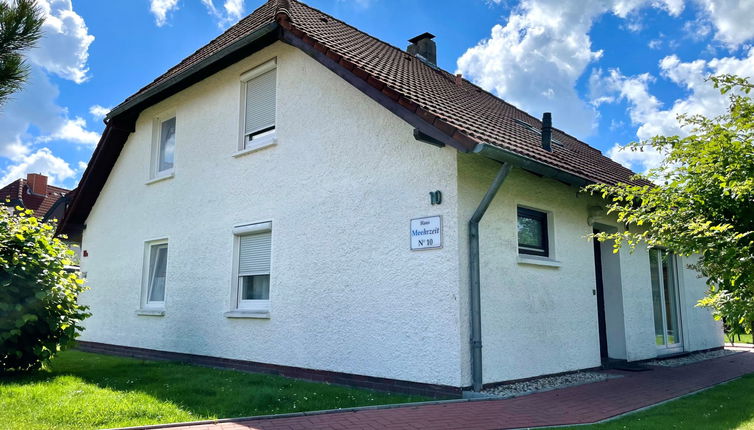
x,y
86,391
744,338
728,406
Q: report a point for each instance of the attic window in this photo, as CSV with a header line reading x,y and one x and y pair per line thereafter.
x,y
163,145
258,105
533,129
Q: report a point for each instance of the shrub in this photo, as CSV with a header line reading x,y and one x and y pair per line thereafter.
x,y
39,313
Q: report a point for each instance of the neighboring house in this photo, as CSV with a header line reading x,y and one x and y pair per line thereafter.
x,y
47,202
272,203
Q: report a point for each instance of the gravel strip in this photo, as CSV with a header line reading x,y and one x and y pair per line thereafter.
x,y
546,384
691,358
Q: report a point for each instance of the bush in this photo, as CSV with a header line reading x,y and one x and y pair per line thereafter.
x,y
39,314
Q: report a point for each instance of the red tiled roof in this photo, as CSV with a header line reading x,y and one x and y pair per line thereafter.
x,y
18,190
464,111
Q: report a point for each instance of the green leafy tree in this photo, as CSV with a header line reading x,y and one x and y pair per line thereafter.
x,y
39,313
702,202
20,28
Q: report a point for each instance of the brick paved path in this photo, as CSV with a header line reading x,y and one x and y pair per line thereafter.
x,y
575,405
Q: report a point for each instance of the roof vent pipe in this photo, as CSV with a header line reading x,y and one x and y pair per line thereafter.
x,y
547,131
424,47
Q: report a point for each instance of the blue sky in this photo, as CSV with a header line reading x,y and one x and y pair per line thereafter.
x,y
611,71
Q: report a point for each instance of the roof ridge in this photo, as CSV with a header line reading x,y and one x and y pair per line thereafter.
x,y
281,6
347,25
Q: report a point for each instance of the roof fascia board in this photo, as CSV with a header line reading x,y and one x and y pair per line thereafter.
x,y
93,180
372,92
503,156
195,73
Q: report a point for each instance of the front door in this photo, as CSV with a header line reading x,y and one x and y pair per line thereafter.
x,y
665,297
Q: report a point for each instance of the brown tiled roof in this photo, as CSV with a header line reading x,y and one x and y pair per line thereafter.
x,y
464,112
18,190
462,115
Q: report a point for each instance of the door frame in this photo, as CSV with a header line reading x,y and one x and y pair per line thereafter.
x,y
600,293
665,348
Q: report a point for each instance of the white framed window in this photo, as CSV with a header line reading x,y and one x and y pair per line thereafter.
x,y
155,274
252,261
258,106
163,145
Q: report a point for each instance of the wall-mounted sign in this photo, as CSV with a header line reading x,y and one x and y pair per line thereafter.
x,y
426,233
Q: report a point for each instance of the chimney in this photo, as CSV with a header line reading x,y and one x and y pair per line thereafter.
x,y
547,131
37,184
423,45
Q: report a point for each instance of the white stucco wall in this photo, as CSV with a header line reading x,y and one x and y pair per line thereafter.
x,y
340,188
535,319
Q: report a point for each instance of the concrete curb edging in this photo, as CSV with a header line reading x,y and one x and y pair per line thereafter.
x,y
308,413
636,411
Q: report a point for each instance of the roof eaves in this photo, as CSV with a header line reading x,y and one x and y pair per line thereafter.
x,y
499,154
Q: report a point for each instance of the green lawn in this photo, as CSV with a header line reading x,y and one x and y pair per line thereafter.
x,y
745,338
728,406
90,391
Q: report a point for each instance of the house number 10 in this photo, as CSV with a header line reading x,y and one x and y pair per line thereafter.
x,y
435,197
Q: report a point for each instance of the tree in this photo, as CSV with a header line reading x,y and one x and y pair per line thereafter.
x,y
701,203
20,28
39,312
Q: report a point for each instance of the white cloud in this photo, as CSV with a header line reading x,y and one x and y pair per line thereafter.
x,y
697,29
64,47
160,10
14,151
99,112
73,130
33,105
42,161
638,161
732,19
650,115
231,12
32,115
535,60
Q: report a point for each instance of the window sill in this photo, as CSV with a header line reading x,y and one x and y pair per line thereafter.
x,y
241,313
265,142
538,261
160,178
151,312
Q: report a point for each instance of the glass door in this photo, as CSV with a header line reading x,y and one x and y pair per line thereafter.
x,y
665,300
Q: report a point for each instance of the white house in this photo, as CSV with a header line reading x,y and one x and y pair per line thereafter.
x,y
298,197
